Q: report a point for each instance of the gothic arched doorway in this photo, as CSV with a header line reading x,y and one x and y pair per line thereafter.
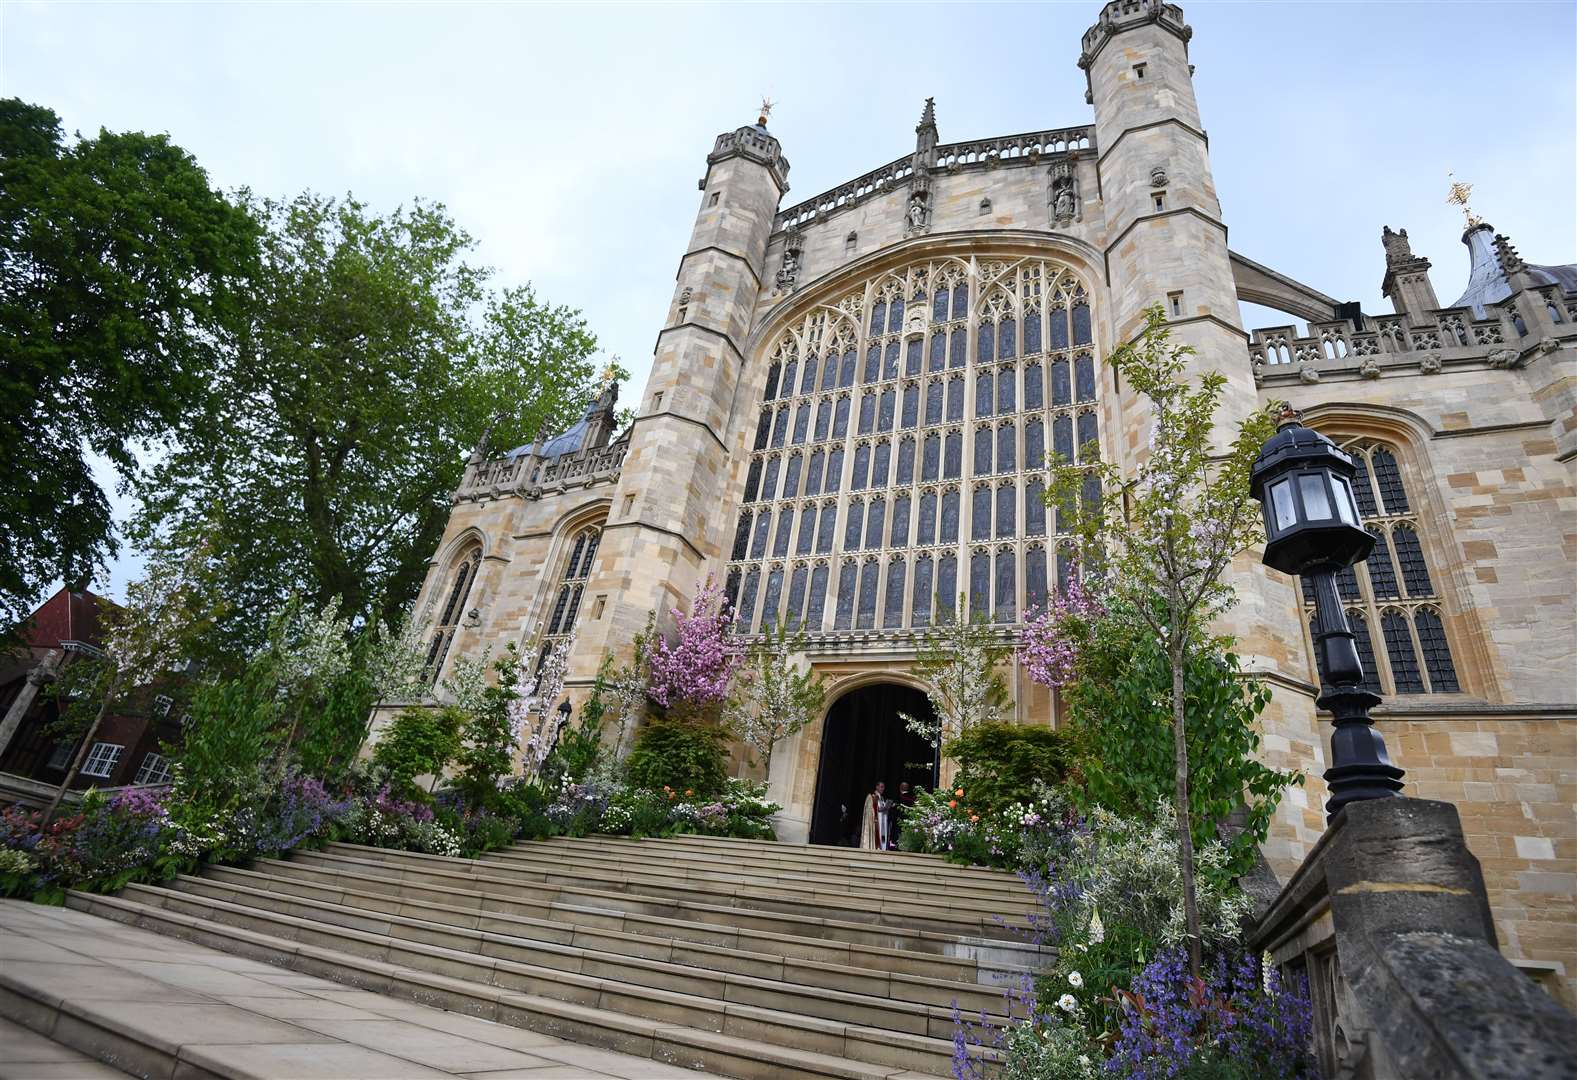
x,y
864,740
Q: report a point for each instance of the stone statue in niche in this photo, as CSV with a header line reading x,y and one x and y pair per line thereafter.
x,y
788,272
1064,194
1064,208
915,216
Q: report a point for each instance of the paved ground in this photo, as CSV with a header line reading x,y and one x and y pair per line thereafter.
x,y
77,974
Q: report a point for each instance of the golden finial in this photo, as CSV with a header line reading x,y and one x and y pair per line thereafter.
x,y
766,111
607,374
1458,196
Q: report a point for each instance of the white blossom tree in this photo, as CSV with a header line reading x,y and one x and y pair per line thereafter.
x,y
1162,534
775,693
958,661
532,711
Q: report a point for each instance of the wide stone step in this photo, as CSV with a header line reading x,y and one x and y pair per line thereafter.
x,y
781,898
685,869
734,1037
986,963
569,945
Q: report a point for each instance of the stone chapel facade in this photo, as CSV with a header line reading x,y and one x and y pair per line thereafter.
x,y
852,398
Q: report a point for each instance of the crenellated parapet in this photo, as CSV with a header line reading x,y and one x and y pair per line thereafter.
x,y
528,476
755,144
1120,15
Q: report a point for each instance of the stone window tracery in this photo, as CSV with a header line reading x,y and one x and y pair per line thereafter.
x,y
461,578
572,583
978,370
1393,604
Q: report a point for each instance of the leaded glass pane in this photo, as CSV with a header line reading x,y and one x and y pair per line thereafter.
x,y
1347,583
1061,383
1007,509
818,462
790,369
1007,446
895,315
1084,376
1034,443
742,536
763,429
912,360
873,364
880,463
829,374
920,609
840,418
772,382
983,393
867,614
758,542
1415,575
949,516
953,455
911,405
1034,507
731,589
985,343
905,460
769,483
892,607
807,531
780,539
1437,653
961,301
1089,441
957,346
980,514
955,398
769,602
834,471
747,601
846,368
1389,477
1066,569
1034,580
867,413
938,355
1365,647
807,381
890,361
780,427
796,462
982,451
801,423
875,523
1059,328
862,467
1007,341
825,528
1362,489
900,534
1081,324
823,419
815,609
1032,334
1006,607
980,585
931,462
946,586
878,316
1062,439
1034,385
796,597
933,402
843,616
926,533
851,526
884,411
753,480
939,305
1399,650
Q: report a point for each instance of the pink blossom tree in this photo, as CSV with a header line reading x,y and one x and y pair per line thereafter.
x,y
1049,648
694,673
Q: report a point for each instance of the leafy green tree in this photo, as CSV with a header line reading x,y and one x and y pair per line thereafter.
x,y
419,742
1163,534
120,273
775,693
1001,763
372,358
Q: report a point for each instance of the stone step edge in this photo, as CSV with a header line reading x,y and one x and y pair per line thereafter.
x,y
702,839
783,1021
975,990
612,1030
323,879
827,900
893,863
469,871
687,870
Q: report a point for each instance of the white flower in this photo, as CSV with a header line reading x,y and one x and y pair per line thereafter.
x,y
1084,1061
1066,1003
1076,980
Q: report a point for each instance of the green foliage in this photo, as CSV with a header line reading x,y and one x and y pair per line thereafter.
x,y
488,747
1122,724
680,755
419,742
775,692
122,271
333,437
1000,763
231,729
579,744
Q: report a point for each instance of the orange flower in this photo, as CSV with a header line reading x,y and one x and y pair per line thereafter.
x,y
974,817
689,791
959,793
952,804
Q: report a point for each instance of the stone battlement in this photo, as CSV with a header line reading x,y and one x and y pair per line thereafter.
x,y
530,477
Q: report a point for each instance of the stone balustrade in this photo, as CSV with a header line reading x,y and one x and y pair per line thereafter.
x,y
1028,148
529,476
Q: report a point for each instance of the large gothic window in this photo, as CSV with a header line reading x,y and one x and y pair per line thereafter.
x,y
978,371
1392,599
450,609
567,598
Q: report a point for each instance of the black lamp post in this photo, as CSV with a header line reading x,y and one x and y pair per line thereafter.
x,y
563,711
1303,482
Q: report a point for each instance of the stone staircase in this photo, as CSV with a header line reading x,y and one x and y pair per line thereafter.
x,y
740,958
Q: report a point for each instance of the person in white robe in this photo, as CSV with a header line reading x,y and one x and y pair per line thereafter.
x,y
875,821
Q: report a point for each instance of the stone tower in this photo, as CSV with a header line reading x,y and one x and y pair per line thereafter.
x,y
663,528
1165,243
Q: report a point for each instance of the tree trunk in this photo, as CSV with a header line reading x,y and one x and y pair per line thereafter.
x,y
1185,836
82,753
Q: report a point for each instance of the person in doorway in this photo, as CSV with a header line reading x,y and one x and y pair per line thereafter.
x,y
901,807
875,825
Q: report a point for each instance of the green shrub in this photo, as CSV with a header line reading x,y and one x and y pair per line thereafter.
x,y
681,755
1000,763
419,742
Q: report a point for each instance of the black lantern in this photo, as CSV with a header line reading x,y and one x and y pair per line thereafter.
x,y
558,728
1303,482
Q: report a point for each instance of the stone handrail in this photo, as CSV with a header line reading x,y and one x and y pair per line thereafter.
x,y
527,475
1029,147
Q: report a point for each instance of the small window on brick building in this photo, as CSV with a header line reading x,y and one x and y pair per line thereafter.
x,y
161,705
1160,202
60,756
1174,304
850,242
1138,71
657,401
715,196
102,759
155,769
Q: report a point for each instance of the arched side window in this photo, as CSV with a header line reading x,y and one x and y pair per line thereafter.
x,y
451,611
1392,599
572,582
940,392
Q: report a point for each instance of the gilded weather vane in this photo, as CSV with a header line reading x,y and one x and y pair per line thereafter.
x,y
1458,196
766,111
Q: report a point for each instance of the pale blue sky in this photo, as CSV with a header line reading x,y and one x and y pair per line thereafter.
x,y
568,139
